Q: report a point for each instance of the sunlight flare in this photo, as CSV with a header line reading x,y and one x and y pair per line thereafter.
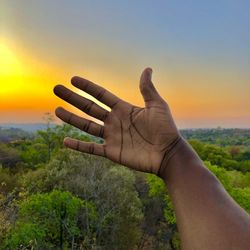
x,y
11,71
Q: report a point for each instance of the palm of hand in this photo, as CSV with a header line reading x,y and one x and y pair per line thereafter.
x,y
136,137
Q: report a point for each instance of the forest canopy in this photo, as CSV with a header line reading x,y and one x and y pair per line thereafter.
x,y
55,198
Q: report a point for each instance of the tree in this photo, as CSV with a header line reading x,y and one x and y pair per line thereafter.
x,y
47,143
108,186
241,195
48,220
9,157
158,190
234,151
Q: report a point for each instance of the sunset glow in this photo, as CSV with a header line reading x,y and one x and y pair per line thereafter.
x,y
11,71
26,83
202,73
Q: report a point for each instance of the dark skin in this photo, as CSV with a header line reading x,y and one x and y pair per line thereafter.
x,y
147,139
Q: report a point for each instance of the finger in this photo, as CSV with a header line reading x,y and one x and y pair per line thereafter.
x,y
148,91
85,147
79,122
81,102
96,91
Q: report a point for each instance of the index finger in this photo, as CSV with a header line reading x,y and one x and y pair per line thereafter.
x,y
96,91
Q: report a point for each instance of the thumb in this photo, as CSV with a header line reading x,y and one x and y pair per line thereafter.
x,y
148,91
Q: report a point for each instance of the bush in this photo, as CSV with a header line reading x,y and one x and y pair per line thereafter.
x,y
47,221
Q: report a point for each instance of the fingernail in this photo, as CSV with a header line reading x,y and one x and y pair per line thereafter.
x,y
150,71
66,142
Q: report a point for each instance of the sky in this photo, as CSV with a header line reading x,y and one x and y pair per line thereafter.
x,y
199,52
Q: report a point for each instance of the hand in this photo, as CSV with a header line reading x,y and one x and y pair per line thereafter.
x,y
141,138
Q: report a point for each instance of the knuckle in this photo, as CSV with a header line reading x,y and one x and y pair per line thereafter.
x,y
105,116
101,133
69,120
86,126
101,94
91,148
88,106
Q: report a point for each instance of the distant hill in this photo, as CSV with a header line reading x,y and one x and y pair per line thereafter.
x,y
28,127
219,136
13,134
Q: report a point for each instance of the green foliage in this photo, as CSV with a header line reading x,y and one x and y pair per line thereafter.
x,y
236,183
242,197
244,166
48,220
8,156
245,155
108,186
169,211
232,183
47,143
219,136
7,213
25,236
8,181
223,157
221,174
34,154
157,188
53,198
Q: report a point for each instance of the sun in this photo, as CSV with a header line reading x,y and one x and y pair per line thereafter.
x,y
26,83
11,70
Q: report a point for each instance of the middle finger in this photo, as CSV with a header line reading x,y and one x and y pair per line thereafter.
x,y
84,104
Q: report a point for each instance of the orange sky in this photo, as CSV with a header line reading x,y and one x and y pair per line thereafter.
x,y
27,84
203,90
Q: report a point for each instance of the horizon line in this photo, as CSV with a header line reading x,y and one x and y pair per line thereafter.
x,y
8,124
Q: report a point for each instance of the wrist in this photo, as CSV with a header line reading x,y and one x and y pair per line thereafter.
x,y
180,153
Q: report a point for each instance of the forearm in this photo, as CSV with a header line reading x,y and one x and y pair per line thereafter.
x,y
207,217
